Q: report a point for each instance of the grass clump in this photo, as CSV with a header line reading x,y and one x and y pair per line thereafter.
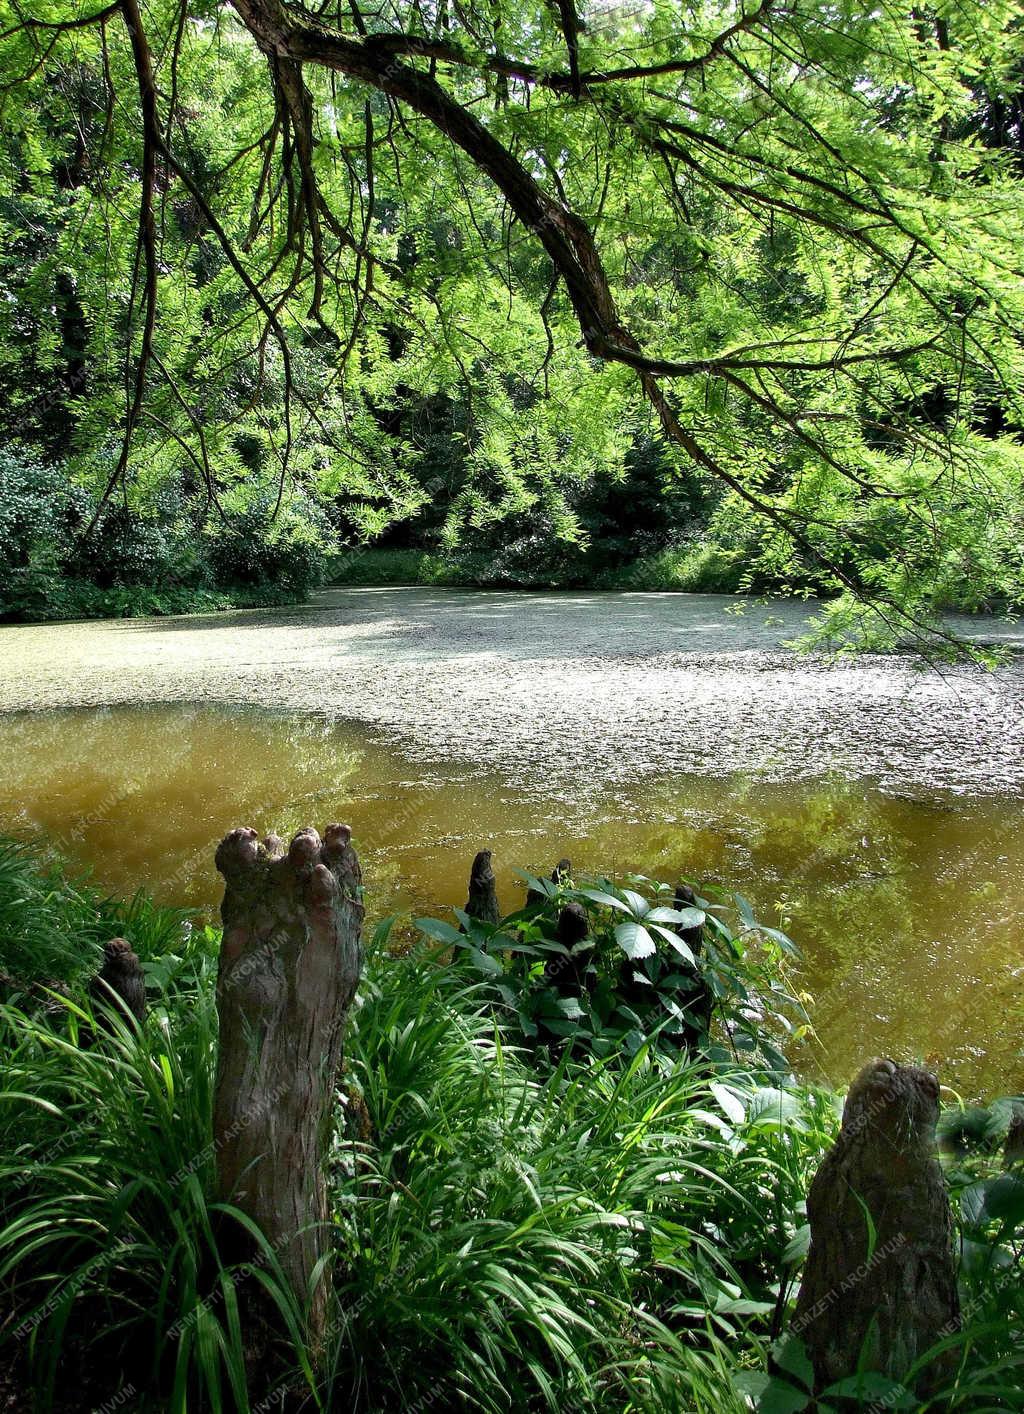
x,y
53,925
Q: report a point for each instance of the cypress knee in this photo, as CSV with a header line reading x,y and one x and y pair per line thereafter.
x,y
482,902
891,1294
561,874
121,974
289,965
568,973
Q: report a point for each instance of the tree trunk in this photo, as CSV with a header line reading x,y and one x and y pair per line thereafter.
x,y
289,965
890,1293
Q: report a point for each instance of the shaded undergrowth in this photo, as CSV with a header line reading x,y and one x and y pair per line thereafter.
x,y
520,1223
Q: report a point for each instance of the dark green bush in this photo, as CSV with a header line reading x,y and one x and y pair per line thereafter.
x,y
655,967
170,557
289,551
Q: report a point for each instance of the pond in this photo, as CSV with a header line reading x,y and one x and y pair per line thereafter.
x,y
873,808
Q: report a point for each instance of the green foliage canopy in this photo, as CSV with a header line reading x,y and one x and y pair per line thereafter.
x,y
258,240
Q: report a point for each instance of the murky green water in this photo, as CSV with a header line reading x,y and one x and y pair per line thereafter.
x,y
908,912
873,808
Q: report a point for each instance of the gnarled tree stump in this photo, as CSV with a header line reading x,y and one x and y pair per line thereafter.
x,y
289,964
895,1293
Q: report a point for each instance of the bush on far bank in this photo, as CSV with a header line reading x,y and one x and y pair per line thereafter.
x,y
63,555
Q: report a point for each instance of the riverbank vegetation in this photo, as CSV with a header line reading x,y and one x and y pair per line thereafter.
x,y
526,1215
723,297
157,561
699,569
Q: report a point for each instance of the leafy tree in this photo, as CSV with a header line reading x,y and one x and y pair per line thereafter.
x,y
784,235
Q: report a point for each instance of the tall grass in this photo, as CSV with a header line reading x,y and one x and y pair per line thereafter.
x,y
515,1240
53,926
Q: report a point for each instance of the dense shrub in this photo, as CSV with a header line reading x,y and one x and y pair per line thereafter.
x,y
168,557
39,514
598,966
255,548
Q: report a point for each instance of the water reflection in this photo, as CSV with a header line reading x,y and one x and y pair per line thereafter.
x,y
907,910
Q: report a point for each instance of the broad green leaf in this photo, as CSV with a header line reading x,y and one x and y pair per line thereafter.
x,y
634,940
442,932
771,1106
606,900
732,1107
797,1247
682,917
683,949
790,1354
870,1385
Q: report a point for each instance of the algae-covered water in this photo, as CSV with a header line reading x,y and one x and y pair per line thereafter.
x,y
873,807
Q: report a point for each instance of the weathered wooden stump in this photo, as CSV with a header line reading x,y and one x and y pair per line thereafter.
x,y
482,902
289,965
567,972
119,981
892,1293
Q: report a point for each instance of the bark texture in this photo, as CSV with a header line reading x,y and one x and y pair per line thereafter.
x,y
482,902
122,974
896,1295
289,964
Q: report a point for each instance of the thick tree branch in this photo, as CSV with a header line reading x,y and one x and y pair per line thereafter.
x,y
146,239
442,51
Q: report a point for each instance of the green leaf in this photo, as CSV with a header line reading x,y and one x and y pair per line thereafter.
x,y
790,1354
772,1107
770,1394
683,949
682,917
441,932
484,963
605,900
547,887
1004,1200
798,1246
745,911
731,1106
752,1383
742,1306
634,940
784,942
872,1385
